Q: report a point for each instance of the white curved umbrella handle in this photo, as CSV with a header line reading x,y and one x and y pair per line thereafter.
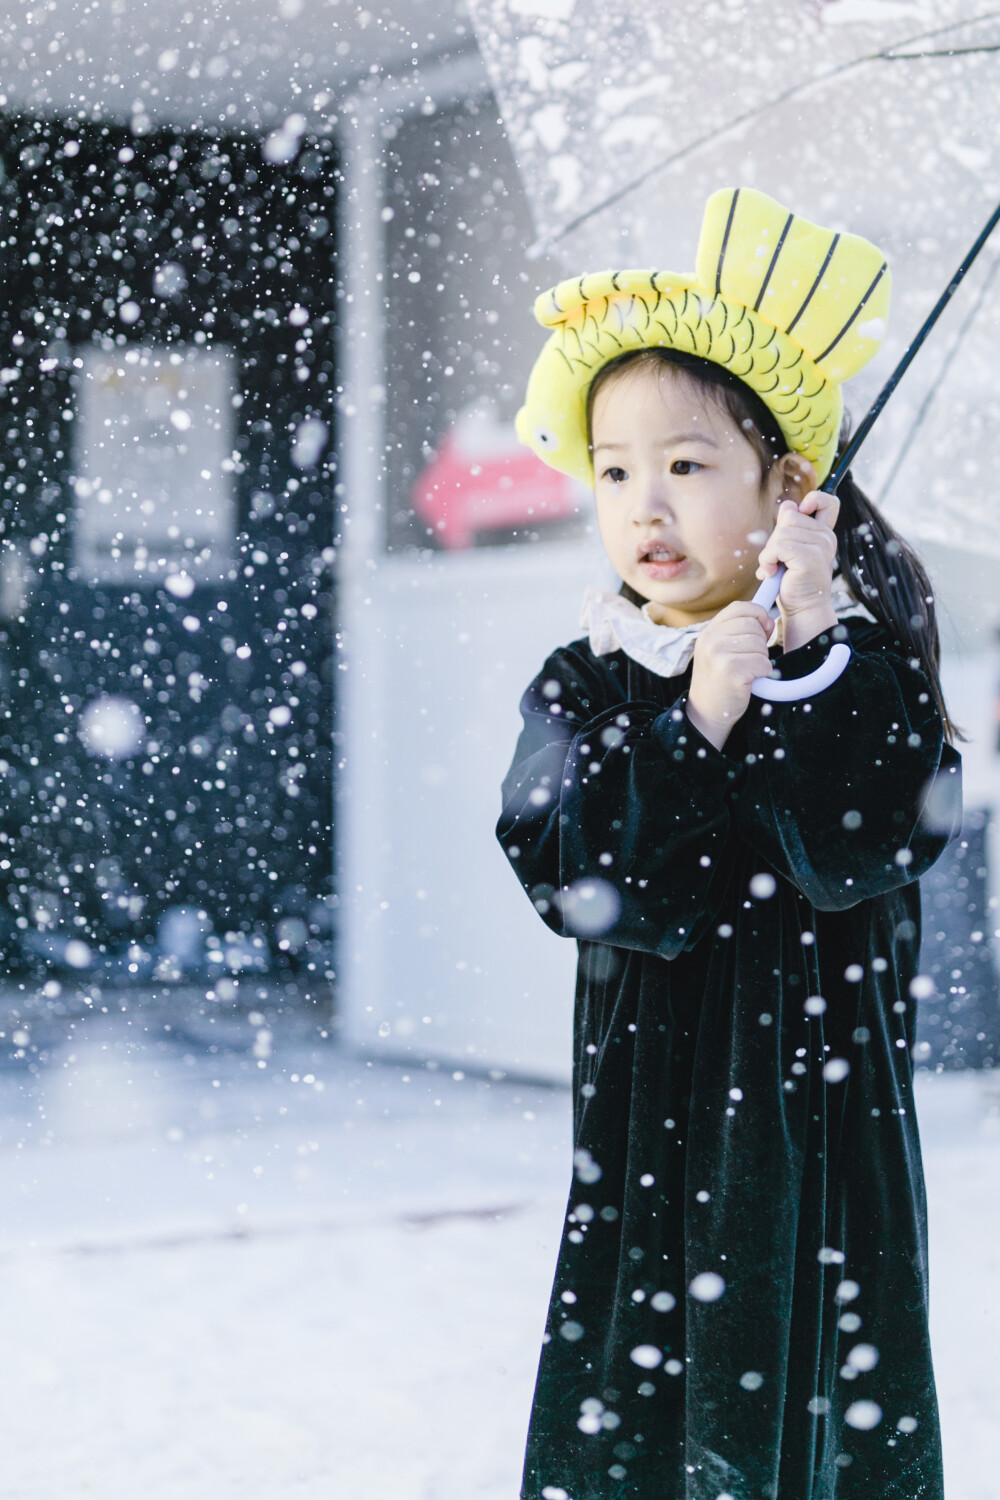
x,y
775,689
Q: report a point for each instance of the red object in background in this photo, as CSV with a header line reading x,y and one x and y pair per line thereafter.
x,y
481,479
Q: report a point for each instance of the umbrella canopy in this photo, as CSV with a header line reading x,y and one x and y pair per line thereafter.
x,y
870,115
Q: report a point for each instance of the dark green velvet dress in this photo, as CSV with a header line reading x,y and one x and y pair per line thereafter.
x,y
740,1301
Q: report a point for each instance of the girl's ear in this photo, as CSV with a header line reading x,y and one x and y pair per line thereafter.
x,y
797,477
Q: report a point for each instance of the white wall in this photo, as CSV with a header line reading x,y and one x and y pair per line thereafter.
x,y
442,954
438,648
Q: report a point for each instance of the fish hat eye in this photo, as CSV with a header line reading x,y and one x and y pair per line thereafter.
x,y
790,308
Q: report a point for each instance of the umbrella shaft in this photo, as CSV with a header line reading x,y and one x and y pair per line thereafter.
x,y
851,450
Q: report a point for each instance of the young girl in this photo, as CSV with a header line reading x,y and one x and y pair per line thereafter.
x,y
740,1303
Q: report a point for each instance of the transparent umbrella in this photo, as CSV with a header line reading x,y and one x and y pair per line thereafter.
x,y
871,115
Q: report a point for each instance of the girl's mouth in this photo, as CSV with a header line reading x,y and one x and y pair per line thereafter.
x,y
660,562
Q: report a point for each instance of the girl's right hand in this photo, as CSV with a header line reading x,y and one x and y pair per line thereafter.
x,y
731,652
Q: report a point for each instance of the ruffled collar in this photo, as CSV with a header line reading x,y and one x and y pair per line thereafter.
x,y
613,623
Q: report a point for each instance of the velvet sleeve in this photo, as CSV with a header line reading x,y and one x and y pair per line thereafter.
x,y
616,816
855,792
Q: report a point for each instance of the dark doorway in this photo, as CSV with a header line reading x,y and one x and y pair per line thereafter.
x,y
168,476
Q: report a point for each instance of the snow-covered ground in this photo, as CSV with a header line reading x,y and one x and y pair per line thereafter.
x,y
326,1278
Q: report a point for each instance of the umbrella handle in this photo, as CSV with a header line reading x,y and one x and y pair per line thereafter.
x,y
774,689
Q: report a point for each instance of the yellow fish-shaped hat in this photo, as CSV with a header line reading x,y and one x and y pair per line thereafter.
x,y
790,308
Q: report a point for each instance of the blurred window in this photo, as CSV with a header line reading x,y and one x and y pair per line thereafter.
x,y
460,340
154,482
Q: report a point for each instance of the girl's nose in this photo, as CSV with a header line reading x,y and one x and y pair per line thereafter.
x,y
651,503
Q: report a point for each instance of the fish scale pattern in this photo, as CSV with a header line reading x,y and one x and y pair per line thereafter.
x,y
597,317
618,319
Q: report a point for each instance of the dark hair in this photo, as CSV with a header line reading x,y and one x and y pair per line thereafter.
x,y
883,571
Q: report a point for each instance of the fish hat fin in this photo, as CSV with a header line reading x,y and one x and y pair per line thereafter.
x,y
790,308
828,291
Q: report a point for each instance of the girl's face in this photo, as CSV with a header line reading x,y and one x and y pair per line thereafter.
x,y
681,506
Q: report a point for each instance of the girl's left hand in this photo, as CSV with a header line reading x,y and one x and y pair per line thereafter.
x,y
804,541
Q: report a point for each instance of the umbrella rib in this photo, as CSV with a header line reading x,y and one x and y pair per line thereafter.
x,y
942,52
887,54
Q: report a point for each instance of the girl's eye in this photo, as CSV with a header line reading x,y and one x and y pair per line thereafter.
x,y
615,474
685,466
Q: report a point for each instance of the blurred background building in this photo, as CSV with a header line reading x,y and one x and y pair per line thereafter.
x,y
274,569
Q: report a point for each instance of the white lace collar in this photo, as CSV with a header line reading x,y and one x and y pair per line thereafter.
x,y
613,623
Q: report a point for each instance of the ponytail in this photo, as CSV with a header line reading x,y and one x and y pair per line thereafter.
x,y
888,578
